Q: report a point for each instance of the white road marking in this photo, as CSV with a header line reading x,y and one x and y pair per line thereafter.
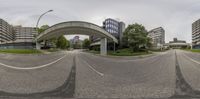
x,y
30,68
192,59
101,74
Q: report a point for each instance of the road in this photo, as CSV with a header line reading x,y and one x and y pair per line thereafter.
x,y
170,74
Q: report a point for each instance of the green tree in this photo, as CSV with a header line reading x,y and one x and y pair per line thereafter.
x,y
53,41
62,43
86,43
42,28
135,37
149,42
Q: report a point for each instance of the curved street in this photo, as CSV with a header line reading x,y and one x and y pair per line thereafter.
x,y
77,74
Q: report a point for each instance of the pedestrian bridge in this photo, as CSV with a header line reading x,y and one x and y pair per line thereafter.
x,y
77,27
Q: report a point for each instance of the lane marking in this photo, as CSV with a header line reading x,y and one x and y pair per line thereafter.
x,y
91,67
30,68
191,59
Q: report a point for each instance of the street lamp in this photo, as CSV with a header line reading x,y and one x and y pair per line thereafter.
x,y
37,44
41,17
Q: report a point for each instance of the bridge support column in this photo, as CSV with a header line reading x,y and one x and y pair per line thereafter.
x,y
38,46
114,46
103,47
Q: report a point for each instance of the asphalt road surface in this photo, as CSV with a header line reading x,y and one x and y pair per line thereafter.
x,y
75,74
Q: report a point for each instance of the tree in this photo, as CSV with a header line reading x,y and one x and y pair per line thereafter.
x,y
149,42
53,41
62,43
135,37
86,43
42,28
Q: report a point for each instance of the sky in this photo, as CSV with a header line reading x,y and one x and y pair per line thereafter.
x,y
175,16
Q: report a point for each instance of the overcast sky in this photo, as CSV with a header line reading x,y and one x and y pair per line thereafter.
x,y
175,16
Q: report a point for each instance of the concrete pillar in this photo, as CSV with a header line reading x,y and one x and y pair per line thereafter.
x,y
38,46
114,47
103,47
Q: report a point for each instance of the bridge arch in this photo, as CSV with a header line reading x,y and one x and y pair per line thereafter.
x,y
77,27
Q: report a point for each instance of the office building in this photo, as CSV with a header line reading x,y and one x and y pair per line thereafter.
x,y
76,42
6,32
17,36
115,28
121,31
177,44
196,34
157,36
76,39
24,34
9,34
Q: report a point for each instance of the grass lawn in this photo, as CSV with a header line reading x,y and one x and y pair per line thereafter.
x,y
20,51
193,50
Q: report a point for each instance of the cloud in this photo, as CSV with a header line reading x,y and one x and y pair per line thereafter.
x,y
175,16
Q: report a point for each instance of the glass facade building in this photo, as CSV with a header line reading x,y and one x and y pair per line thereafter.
x,y
111,26
115,28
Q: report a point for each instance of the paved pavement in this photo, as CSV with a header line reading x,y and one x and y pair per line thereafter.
x,y
33,80
77,74
190,67
148,77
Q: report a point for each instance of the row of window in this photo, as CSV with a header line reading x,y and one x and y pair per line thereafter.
x,y
112,31
109,21
112,26
6,35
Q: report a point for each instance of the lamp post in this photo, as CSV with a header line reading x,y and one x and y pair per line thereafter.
x,y
37,44
41,17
